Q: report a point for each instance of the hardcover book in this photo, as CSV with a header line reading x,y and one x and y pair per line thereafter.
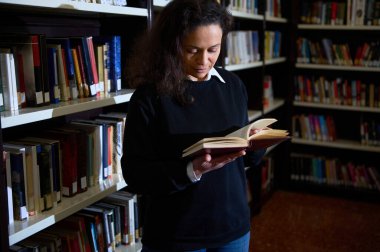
x,y
240,139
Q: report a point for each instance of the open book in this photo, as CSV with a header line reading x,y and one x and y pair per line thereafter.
x,y
240,139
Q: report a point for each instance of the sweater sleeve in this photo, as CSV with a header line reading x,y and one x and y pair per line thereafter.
x,y
143,169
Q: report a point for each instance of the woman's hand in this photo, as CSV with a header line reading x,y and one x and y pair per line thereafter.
x,y
207,163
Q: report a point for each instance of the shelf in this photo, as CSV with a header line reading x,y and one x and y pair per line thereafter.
x,y
341,144
129,248
336,107
274,61
339,27
254,114
35,114
68,206
244,66
275,19
74,6
240,14
341,68
276,104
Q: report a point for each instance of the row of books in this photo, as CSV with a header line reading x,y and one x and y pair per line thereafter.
x,y
273,8
248,6
338,91
350,12
61,162
109,2
314,127
326,52
370,132
37,70
272,44
242,47
333,172
109,224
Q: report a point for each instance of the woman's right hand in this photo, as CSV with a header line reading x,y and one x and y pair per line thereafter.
x,y
207,163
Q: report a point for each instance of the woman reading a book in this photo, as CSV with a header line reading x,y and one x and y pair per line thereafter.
x,y
191,203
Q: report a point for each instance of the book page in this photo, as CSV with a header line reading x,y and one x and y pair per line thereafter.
x,y
259,124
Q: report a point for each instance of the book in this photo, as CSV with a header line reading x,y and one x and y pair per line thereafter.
x,y
31,166
240,139
18,179
69,63
8,80
48,159
7,166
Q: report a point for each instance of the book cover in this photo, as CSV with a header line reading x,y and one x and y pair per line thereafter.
x,y
114,59
80,43
105,218
41,48
104,130
55,90
7,167
69,159
97,152
19,186
9,85
115,221
77,222
94,227
124,217
49,163
69,63
240,139
30,167
117,140
78,74
80,139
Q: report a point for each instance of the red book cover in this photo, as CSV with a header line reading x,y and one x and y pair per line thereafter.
x,y
20,73
95,75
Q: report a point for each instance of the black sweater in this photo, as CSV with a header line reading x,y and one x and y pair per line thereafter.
x,y
181,215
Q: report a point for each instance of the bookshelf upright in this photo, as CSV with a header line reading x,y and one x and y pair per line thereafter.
x,y
335,109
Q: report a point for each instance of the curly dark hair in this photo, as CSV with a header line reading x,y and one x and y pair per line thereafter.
x,y
156,58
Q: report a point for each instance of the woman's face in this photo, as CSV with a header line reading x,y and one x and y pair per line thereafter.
x,y
201,49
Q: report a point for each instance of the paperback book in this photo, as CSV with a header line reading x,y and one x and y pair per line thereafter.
x,y
241,139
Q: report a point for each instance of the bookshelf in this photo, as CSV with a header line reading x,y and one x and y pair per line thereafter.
x,y
262,20
65,18
329,88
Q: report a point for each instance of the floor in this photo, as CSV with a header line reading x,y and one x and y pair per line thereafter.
x,y
295,222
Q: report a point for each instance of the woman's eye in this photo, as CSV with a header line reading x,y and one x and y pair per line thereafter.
x,y
192,51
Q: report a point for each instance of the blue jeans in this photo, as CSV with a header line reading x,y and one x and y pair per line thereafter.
x,y
239,245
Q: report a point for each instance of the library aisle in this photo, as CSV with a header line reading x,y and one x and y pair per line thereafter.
x,y
297,222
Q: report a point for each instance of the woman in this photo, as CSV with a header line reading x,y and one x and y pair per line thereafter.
x,y
192,204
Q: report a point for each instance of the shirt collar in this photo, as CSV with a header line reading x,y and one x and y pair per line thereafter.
x,y
215,73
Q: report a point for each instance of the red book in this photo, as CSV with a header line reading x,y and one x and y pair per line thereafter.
x,y
92,57
21,80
